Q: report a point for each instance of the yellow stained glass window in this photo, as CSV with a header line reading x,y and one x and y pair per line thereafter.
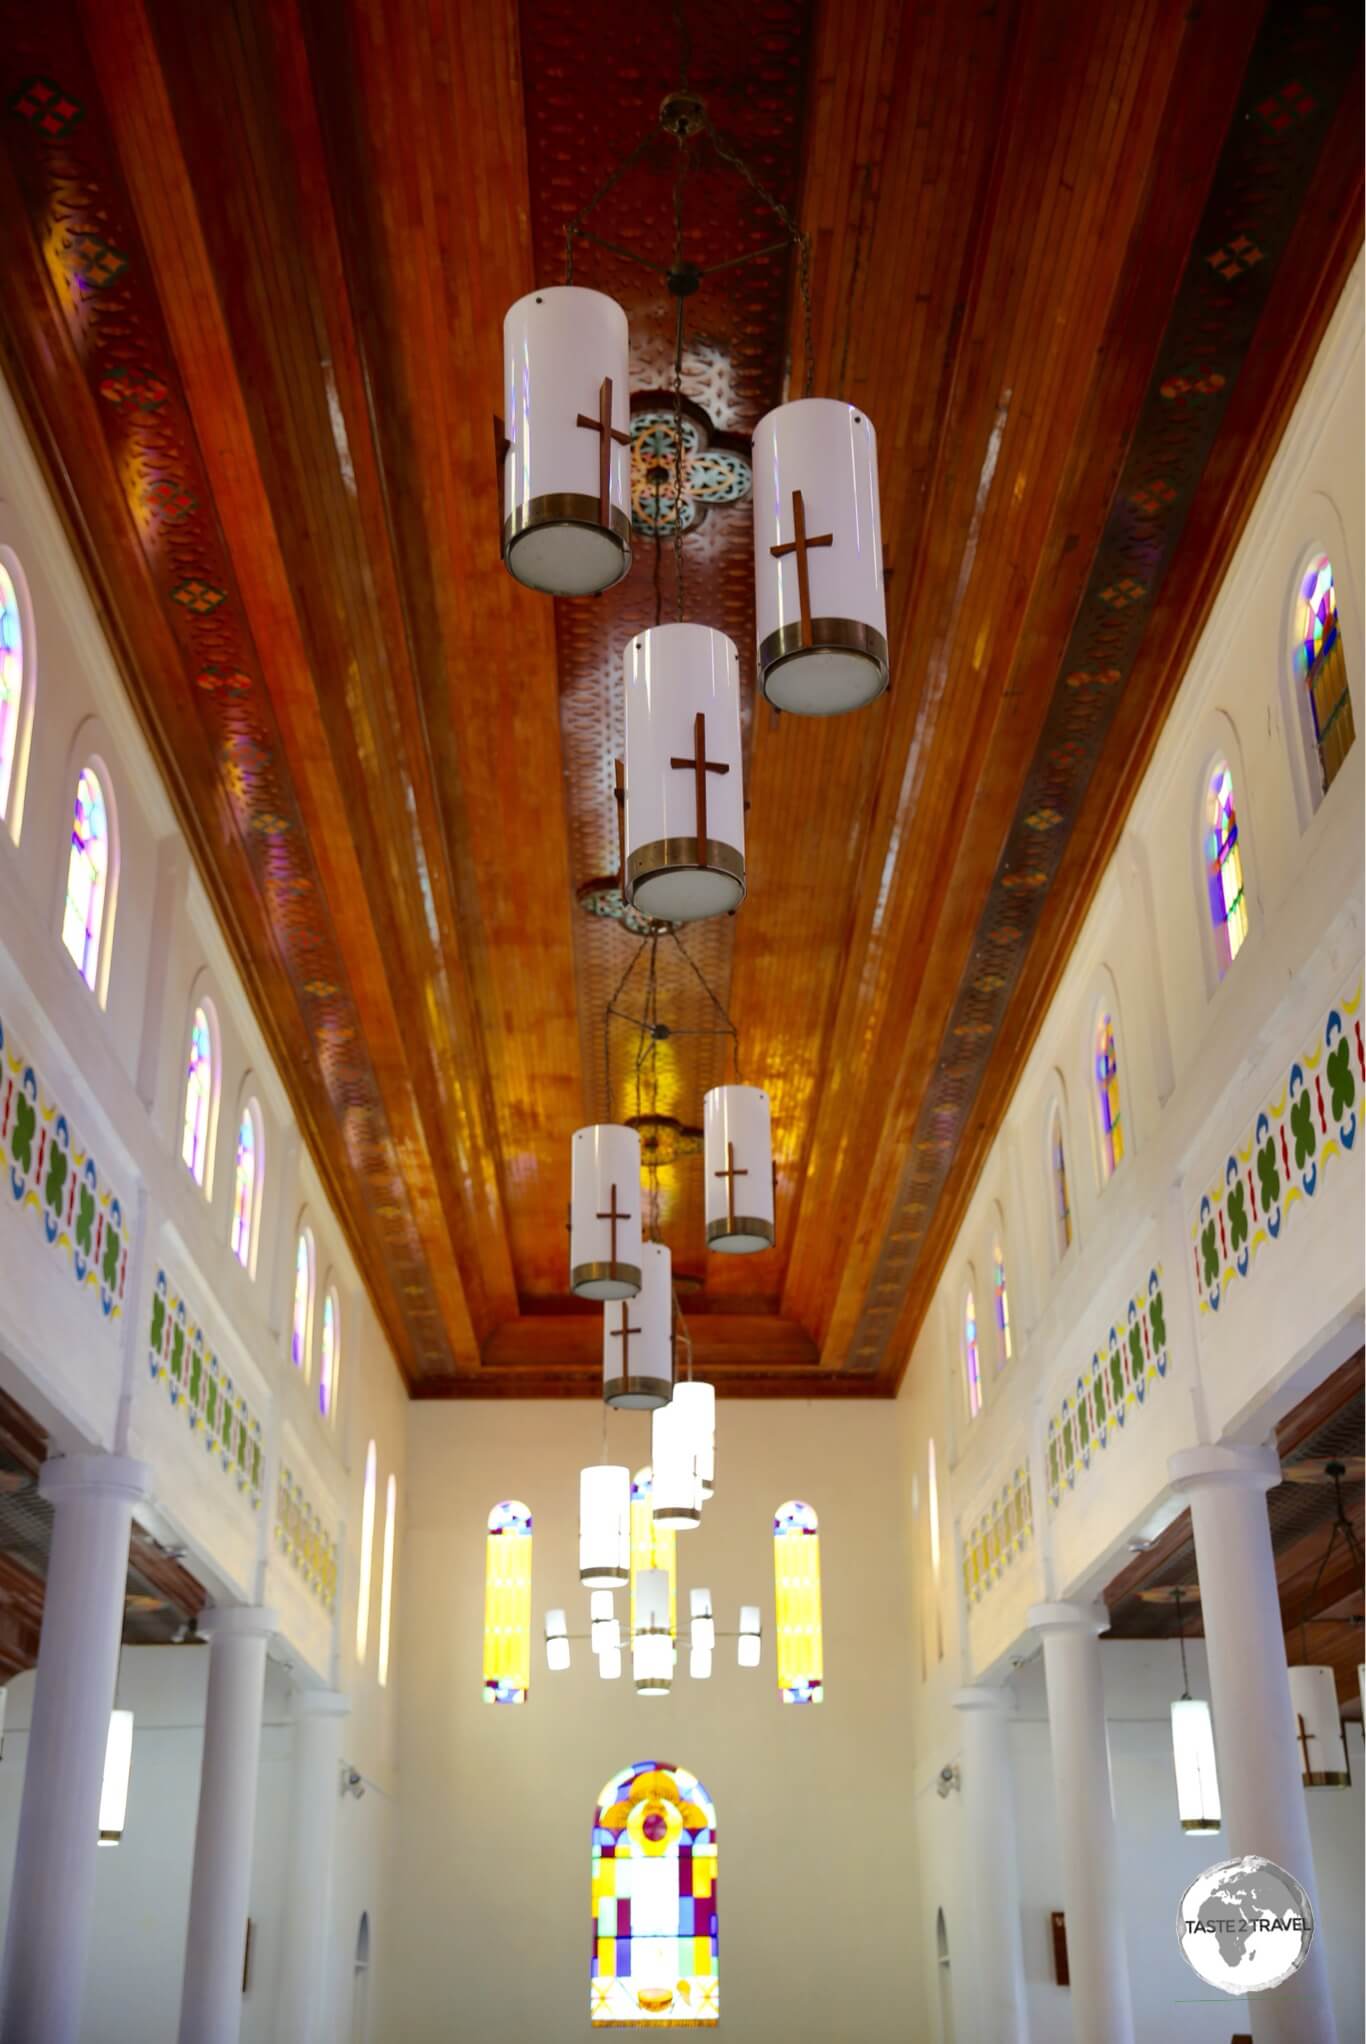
x,y
507,1604
797,1589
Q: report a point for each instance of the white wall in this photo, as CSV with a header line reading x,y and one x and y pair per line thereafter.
x,y
816,1864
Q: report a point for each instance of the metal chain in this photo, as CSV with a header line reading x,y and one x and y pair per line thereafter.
x,y
732,156
679,181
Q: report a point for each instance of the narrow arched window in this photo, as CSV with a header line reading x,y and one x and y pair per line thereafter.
x,y
386,1580
367,1555
246,1187
1321,668
972,1357
15,668
88,880
1224,868
797,1587
653,1544
329,1355
197,1127
1001,1299
1109,1123
301,1314
654,1943
507,1604
1062,1204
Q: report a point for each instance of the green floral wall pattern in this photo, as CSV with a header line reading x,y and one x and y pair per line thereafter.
x,y
1123,1370
1282,1161
54,1177
215,1409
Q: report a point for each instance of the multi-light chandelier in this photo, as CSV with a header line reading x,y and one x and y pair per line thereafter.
x,y
565,484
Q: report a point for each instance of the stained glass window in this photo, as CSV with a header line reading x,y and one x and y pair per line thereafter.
x,y
972,1359
386,1581
1002,1300
932,1501
797,1586
1224,862
1107,1098
246,1187
194,1141
1322,669
653,1934
11,682
87,877
329,1355
301,1317
507,1604
652,1545
1062,1205
367,1556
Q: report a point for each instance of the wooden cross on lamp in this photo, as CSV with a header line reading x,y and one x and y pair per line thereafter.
x,y
603,426
700,766
623,1334
730,1174
613,1216
800,545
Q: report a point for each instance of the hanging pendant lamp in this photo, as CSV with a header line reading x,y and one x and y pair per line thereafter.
x,y
738,1145
604,1213
676,1498
695,1407
685,800
565,447
118,1766
1197,1782
637,1338
1319,1736
652,1647
605,1525
556,1642
820,602
749,1637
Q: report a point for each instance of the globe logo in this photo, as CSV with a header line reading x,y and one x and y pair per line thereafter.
x,y
1245,1925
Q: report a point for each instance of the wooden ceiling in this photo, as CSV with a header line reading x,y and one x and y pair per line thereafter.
x,y
1074,261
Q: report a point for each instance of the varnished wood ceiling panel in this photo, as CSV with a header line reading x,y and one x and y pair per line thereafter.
x,y
258,257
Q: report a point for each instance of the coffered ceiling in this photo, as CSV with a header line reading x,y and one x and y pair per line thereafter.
x,y
1073,262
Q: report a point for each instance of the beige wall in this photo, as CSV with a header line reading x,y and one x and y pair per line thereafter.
x,y
813,1805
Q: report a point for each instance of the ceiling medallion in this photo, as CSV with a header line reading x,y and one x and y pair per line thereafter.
x,y
712,472
664,1139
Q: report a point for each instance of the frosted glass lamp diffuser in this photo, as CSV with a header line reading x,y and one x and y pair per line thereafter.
x,y
747,1645
695,1407
1197,1783
638,1338
556,1642
604,1213
652,1647
604,1525
738,1169
1319,1741
676,1498
118,1766
685,797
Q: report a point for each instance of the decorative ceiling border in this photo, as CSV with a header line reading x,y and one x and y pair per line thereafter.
x,y
1295,79
105,298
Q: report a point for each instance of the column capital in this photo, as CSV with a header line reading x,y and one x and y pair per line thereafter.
x,y
980,1697
112,1475
238,1621
1228,1467
1079,1618
321,1703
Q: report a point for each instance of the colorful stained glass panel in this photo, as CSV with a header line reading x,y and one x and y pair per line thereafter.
x,y
972,1358
653,1945
1107,1098
1321,666
1224,859
11,682
194,1142
87,877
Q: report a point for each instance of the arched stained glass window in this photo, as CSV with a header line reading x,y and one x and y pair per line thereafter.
x,y
1224,865
301,1315
11,682
1062,1204
654,1936
367,1555
199,1091
797,1588
1107,1099
1001,1298
932,1514
87,878
1322,669
507,1604
652,1545
972,1357
246,1187
329,1355
386,1581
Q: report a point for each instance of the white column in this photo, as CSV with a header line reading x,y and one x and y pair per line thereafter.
x,y
52,1898
301,2012
1102,2006
1254,1729
996,1983
220,1887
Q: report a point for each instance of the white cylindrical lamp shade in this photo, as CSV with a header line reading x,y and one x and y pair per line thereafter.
x,y
1197,1783
738,1168
685,797
702,1635
566,482
609,1664
604,1627
652,1647
1318,1728
556,1642
820,601
676,1496
604,1212
747,1644
695,1403
637,1338
605,1525
699,1663
118,1766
